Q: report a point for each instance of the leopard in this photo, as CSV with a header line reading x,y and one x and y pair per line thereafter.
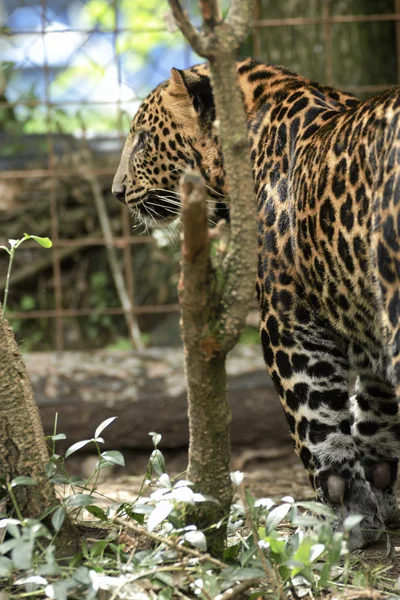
x,y
326,170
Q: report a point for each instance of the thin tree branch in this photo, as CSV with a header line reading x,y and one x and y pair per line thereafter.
x,y
239,588
239,18
202,556
194,216
195,39
211,12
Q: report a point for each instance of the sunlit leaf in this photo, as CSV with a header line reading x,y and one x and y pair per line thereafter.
x,y
31,579
351,522
45,242
76,446
155,437
316,551
114,457
276,516
158,515
183,494
103,425
196,539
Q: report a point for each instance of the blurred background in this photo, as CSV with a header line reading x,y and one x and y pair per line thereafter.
x,y
73,73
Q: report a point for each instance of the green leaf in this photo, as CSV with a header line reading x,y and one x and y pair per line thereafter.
x,y
58,517
79,500
114,457
8,545
141,509
165,594
23,480
76,446
21,554
6,566
103,425
97,512
5,248
45,242
98,547
50,469
157,462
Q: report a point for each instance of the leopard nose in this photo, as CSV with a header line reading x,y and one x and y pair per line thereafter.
x,y
118,189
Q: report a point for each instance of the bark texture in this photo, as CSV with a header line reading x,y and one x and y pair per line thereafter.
x,y
208,410
22,447
215,301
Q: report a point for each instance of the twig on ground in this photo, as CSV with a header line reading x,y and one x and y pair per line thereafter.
x,y
172,544
239,588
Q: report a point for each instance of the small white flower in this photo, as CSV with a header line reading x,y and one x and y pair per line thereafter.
x,y
237,478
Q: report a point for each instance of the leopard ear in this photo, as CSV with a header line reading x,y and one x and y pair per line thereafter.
x,y
178,98
189,97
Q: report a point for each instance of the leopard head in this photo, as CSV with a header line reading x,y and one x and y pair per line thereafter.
x,y
173,129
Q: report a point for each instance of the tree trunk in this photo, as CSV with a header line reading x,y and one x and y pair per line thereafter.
x,y
213,314
22,447
208,410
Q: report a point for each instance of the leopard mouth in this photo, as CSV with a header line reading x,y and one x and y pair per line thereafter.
x,y
160,205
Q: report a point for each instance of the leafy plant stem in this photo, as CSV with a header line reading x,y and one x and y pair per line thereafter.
x,y
14,501
272,576
55,433
95,472
10,262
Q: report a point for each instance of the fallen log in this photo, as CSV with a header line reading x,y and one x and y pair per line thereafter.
x,y
147,391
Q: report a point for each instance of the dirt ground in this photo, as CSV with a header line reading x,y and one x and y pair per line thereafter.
x,y
268,473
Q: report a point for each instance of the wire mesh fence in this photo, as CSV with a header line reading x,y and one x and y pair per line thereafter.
x,y
73,73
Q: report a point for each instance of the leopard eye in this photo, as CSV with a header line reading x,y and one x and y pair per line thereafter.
x,y
142,138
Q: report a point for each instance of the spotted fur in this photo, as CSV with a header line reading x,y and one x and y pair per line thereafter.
x,y
327,178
